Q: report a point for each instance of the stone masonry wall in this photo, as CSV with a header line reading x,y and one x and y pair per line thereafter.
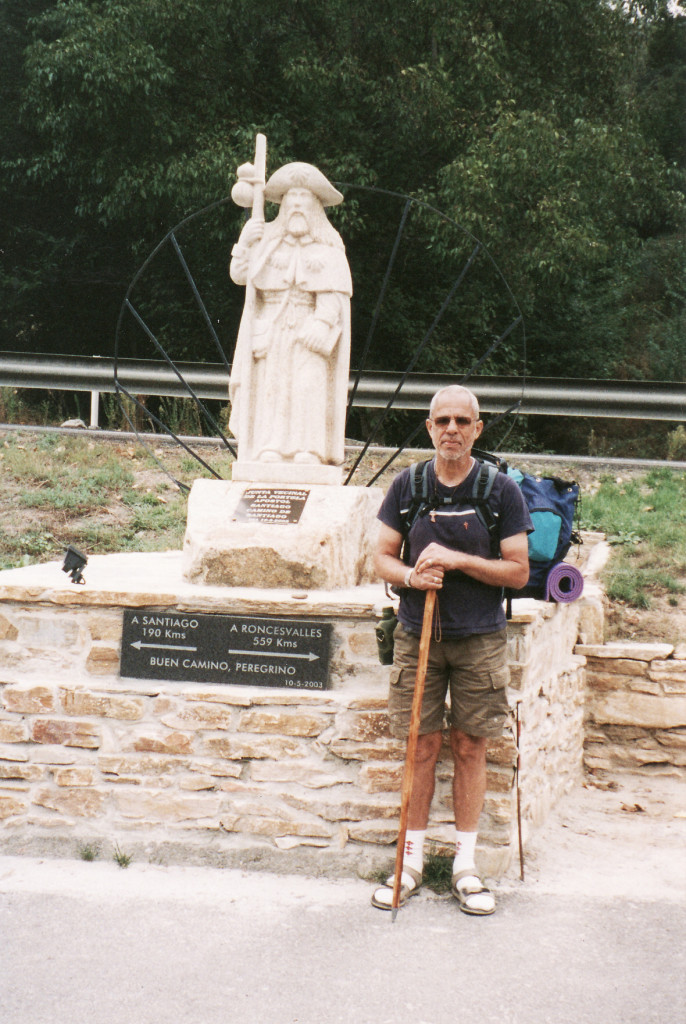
x,y
548,680
636,708
246,775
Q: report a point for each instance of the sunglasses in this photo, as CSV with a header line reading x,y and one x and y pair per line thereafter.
x,y
460,421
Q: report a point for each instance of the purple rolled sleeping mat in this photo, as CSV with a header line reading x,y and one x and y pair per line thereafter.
x,y
564,583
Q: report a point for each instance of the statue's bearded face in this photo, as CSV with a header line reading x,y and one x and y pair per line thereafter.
x,y
297,207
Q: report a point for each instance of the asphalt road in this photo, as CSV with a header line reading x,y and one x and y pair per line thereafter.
x,y
595,935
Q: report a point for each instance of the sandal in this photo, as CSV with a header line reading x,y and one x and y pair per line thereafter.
x,y
406,891
471,894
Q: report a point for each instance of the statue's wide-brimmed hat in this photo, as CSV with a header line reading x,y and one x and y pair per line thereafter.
x,y
298,175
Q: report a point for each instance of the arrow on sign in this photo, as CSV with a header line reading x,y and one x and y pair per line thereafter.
x,y
277,654
162,647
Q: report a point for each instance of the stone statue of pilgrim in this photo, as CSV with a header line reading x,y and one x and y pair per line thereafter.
x,y
289,379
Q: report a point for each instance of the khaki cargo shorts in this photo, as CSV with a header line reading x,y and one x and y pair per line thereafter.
x,y
472,669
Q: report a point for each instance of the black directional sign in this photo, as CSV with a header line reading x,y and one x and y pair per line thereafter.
x,y
184,647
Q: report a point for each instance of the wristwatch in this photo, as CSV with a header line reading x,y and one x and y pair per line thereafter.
x,y
408,577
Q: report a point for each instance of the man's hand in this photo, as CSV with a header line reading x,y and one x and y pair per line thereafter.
x,y
428,572
436,559
391,568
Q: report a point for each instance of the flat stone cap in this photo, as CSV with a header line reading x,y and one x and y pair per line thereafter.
x,y
619,649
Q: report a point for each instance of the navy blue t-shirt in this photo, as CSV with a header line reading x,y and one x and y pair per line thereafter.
x,y
466,606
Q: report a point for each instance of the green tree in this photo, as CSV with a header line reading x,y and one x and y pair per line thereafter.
x,y
529,123
569,208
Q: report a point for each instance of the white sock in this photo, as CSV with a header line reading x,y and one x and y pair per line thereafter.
x,y
465,845
413,857
413,853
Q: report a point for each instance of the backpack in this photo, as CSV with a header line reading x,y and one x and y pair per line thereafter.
x,y
552,505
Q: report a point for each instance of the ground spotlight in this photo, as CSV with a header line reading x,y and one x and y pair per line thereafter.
x,y
74,561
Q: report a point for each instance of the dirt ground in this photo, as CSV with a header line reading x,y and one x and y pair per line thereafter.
x,y
662,622
625,835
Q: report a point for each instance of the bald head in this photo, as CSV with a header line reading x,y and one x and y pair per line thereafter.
x,y
455,391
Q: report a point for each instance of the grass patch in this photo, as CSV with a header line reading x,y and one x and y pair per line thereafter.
x,y
33,545
99,496
121,858
69,475
438,873
643,519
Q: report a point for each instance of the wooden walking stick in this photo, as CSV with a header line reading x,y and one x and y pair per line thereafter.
x,y
411,751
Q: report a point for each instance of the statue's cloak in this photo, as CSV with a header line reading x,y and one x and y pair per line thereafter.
x,y
316,268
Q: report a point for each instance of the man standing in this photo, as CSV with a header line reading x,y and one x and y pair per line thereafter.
x,y
449,552
289,379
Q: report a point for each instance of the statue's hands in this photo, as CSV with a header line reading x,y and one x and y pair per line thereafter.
x,y
251,233
260,338
319,336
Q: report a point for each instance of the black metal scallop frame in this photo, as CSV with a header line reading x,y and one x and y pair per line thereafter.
x,y
130,315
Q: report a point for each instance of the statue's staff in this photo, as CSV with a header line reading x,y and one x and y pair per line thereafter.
x,y
249,189
247,192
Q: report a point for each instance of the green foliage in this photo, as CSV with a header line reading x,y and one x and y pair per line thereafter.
x,y
676,443
551,131
72,482
643,519
661,98
12,407
123,860
76,491
634,585
32,545
569,206
438,873
181,416
629,586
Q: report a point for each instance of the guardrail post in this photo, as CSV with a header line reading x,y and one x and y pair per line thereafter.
x,y
95,408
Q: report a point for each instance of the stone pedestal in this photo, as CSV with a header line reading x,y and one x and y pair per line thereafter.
x,y
327,544
286,473
259,775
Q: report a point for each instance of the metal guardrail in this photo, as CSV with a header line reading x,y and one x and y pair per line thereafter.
x,y
542,396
